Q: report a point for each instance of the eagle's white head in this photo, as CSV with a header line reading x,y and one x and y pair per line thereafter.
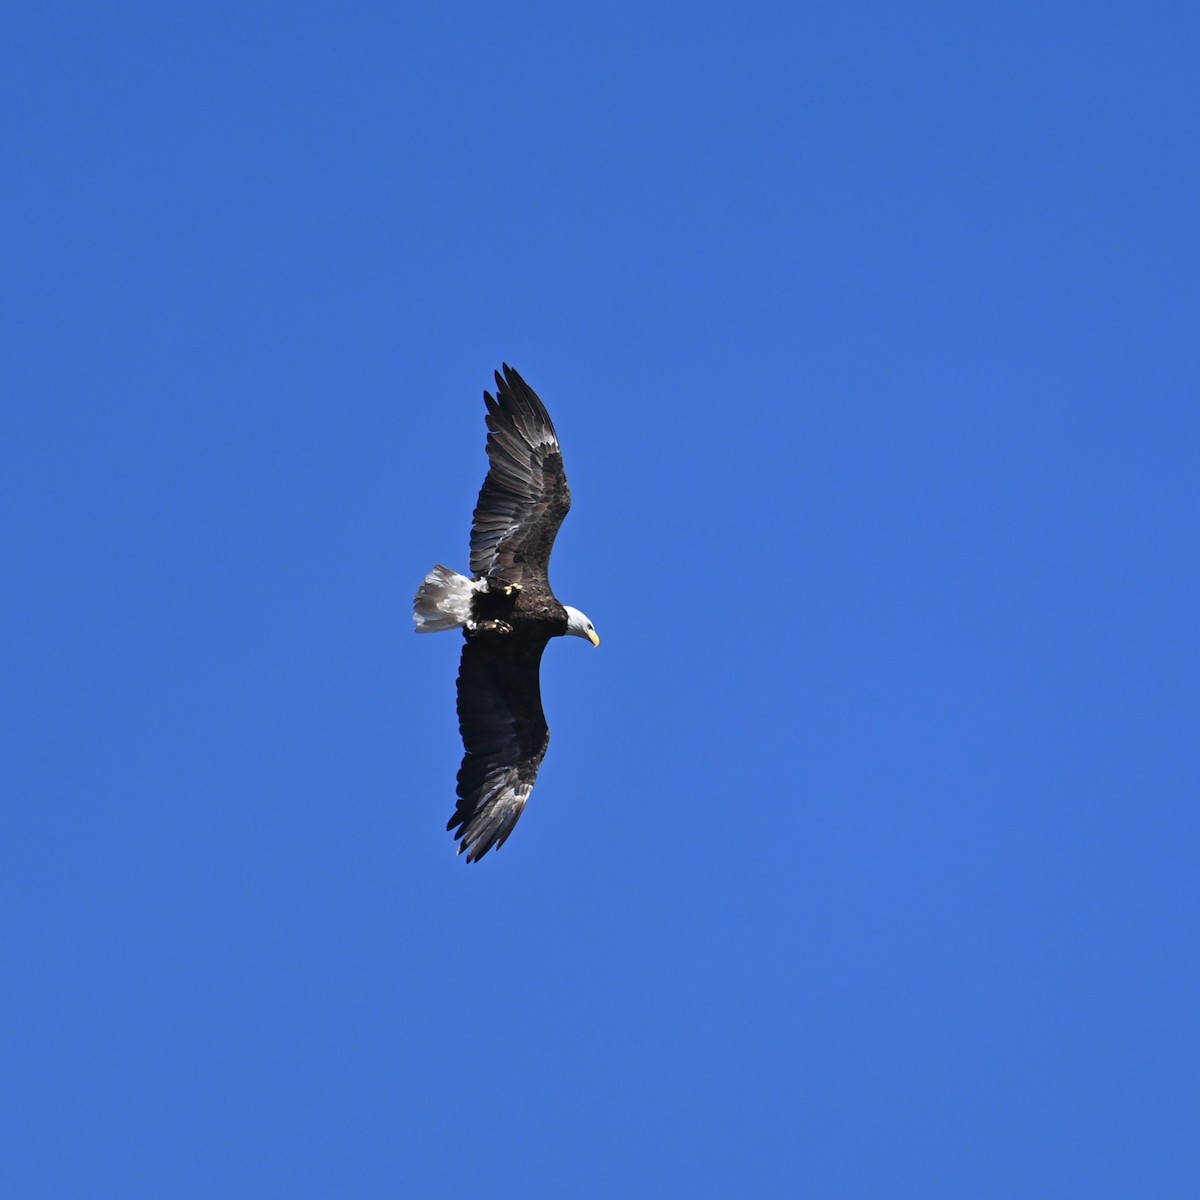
x,y
579,626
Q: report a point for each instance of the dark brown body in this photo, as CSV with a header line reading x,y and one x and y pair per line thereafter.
x,y
528,611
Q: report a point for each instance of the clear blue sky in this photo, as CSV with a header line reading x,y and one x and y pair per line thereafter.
x,y
864,860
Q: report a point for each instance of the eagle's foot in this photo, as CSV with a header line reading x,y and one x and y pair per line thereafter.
x,y
492,627
511,589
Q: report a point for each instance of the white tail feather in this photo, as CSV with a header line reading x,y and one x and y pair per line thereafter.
x,y
443,600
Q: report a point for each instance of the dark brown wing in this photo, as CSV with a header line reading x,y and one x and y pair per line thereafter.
x,y
504,733
525,495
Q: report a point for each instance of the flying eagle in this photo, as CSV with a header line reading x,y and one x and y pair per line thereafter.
x,y
507,613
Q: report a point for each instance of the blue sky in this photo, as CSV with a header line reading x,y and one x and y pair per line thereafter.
x,y
863,862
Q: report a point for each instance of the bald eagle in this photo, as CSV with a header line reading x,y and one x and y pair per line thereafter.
x,y
507,613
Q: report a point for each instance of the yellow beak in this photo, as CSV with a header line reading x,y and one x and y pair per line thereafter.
x,y
593,637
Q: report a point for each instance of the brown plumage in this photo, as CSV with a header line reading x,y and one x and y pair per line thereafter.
x,y
525,496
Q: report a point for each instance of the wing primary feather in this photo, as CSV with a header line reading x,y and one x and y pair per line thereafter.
x,y
525,496
505,738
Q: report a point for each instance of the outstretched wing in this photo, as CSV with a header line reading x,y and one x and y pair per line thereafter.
x,y
525,495
505,735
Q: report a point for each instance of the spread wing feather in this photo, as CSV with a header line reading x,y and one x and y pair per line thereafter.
x,y
525,495
505,735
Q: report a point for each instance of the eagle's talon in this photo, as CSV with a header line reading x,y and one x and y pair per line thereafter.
x,y
490,627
